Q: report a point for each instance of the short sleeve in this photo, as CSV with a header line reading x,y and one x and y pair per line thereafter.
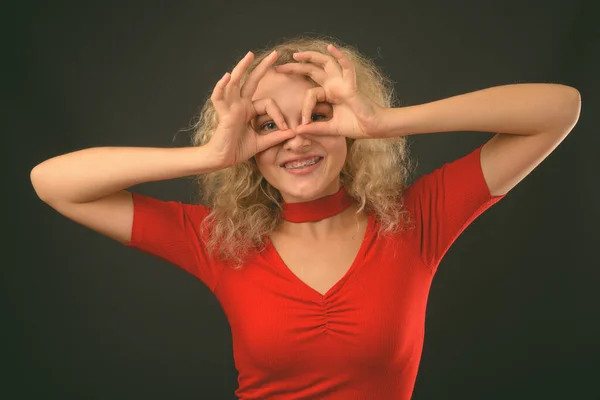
x,y
170,230
445,202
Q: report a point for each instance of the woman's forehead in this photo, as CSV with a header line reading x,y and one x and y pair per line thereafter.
x,y
280,86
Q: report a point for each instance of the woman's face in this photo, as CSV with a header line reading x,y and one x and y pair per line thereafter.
x,y
288,91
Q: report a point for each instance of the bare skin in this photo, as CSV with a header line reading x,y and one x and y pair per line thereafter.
x,y
320,262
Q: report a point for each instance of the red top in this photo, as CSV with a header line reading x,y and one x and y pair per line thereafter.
x,y
364,337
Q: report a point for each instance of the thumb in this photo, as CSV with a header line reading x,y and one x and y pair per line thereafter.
x,y
272,139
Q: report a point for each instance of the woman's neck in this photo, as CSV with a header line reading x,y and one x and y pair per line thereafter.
x,y
320,218
324,228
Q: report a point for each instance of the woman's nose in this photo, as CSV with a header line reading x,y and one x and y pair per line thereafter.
x,y
297,141
294,123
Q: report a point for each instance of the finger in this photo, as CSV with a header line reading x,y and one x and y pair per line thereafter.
x,y
255,76
328,63
313,56
313,96
348,70
342,59
316,73
269,107
237,73
218,93
266,141
317,128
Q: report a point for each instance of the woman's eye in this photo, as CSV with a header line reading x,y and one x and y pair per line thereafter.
x,y
269,126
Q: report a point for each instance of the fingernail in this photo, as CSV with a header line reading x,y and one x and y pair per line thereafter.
x,y
303,120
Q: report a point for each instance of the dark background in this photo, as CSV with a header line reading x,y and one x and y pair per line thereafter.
x,y
514,308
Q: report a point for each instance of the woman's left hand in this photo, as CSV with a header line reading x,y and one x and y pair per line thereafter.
x,y
354,115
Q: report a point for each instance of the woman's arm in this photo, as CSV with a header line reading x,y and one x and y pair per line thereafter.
x,y
531,121
88,186
90,174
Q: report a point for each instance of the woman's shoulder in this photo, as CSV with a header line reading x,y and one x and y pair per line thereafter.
x,y
148,204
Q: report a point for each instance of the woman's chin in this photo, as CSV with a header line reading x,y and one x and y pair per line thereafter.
x,y
302,193
298,194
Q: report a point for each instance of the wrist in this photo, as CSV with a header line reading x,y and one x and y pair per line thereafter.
x,y
207,160
391,122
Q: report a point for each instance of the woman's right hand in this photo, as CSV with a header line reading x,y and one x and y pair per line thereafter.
x,y
235,140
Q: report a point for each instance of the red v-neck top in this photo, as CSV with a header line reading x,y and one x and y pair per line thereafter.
x,y
364,337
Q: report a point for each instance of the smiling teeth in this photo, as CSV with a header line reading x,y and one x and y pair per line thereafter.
x,y
300,164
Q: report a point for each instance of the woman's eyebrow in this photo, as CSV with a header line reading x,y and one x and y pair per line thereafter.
x,y
323,103
265,117
259,118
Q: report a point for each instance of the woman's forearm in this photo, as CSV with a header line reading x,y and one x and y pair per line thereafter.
x,y
522,109
93,173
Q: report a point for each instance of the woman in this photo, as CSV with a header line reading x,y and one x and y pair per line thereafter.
x,y
319,253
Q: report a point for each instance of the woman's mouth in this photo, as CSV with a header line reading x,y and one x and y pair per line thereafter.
x,y
303,170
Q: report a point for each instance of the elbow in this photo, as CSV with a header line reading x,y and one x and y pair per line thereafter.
x,y
568,109
573,105
36,176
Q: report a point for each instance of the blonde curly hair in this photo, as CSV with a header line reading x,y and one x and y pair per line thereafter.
x,y
245,207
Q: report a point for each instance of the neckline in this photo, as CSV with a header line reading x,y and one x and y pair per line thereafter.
x,y
356,263
318,209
